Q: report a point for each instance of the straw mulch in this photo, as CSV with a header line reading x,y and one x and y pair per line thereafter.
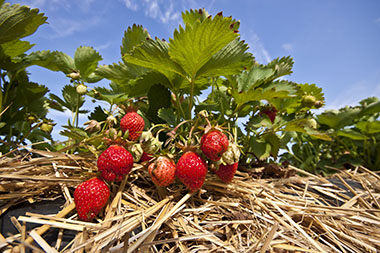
x,y
303,213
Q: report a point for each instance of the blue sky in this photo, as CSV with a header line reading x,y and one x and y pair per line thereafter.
x,y
335,43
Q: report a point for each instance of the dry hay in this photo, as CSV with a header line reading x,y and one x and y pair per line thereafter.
x,y
304,213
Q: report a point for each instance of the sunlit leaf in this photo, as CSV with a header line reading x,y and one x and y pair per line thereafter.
x,y
153,54
18,21
194,45
16,47
369,127
133,36
86,60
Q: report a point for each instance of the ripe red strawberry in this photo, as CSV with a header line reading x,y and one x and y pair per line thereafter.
x,y
226,172
134,123
191,170
115,162
270,112
213,144
162,171
90,197
146,157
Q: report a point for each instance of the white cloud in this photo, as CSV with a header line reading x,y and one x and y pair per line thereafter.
x,y
353,94
47,4
63,27
131,4
103,46
257,48
288,47
377,20
164,11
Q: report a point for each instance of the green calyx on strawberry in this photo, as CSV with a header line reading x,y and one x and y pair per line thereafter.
x,y
114,137
308,101
214,143
162,170
90,197
270,111
149,143
191,170
133,123
115,162
136,151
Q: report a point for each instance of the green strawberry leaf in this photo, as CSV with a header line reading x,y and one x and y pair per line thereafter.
x,y
253,78
86,60
371,108
55,61
230,60
141,86
18,21
158,97
281,66
134,36
153,54
168,115
310,89
195,45
113,96
301,126
338,119
70,100
16,47
261,148
351,134
98,114
74,133
192,16
118,73
274,90
369,127
275,143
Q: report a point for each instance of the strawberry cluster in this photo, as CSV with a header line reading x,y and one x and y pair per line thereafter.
x,y
131,144
114,163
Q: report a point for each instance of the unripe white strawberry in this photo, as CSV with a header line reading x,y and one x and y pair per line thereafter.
x,y
232,155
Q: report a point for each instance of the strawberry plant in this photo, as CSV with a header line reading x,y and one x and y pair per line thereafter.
x,y
23,103
355,135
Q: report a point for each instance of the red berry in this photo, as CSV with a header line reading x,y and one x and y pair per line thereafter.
x,y
90,197
270,112
115,162
162,171
213,144
227,172
191,170
146,157
134,123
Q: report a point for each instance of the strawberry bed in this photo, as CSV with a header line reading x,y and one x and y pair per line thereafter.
x,y
301,212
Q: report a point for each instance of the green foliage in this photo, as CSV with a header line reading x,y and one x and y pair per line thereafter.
x,y
18,21
355,139
23,103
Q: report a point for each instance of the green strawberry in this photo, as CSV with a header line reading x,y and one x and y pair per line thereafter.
x,y
90,197
191,170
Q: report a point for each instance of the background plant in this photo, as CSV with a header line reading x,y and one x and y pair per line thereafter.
x,y
355,134
23,103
